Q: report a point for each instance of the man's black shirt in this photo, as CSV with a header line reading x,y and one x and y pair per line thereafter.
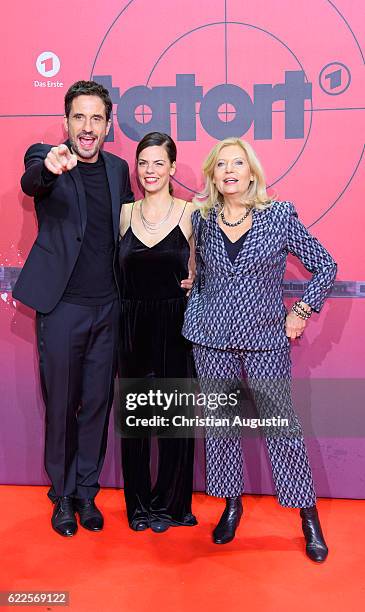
x,y
92,280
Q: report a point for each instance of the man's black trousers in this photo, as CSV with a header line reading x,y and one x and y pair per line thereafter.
x,y
77,348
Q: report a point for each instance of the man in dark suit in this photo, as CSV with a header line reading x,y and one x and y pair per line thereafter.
x,y
70,279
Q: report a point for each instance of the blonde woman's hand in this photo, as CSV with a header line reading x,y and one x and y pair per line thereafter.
x,y
187,283
294,325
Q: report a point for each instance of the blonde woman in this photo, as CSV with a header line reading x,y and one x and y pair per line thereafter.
x,y
239,326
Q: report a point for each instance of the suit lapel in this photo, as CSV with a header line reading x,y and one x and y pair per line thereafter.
x,y
247,252
248,248
113,188
81,196
114,191
219,248
255,240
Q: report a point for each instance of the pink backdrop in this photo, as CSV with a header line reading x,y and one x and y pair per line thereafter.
x,y
285,74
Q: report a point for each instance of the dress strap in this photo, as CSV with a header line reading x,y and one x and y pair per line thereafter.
x,y
181,216
130,218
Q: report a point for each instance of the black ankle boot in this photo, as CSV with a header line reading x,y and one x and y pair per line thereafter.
x,y
316,547
229,521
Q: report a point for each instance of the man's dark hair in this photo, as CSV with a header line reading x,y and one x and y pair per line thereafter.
x,y
88,88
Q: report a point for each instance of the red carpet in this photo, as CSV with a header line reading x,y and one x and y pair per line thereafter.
x,y
265,568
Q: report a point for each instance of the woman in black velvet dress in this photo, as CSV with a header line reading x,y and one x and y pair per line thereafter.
x,y
155,249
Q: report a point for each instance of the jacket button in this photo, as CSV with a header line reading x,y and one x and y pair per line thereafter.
x,y
78,239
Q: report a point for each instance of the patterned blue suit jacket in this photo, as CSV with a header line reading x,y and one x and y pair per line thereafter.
x,y
240,304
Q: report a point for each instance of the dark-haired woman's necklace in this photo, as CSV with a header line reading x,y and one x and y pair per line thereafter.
x,y
224,220
153,228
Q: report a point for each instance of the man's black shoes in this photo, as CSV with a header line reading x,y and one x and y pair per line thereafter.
x,y
63,517
90,516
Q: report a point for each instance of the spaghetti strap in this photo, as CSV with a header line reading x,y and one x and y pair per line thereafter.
x,y
130,218
181,216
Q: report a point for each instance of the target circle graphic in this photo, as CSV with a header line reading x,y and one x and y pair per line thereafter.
x,y
239,60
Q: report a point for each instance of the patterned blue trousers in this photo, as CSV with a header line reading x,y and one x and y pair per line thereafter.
x,y
268,378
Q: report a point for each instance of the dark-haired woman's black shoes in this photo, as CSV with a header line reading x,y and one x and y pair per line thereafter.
x,y
316,547
159,525
140,524
229,521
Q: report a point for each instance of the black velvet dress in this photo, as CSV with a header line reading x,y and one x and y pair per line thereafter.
x,y
153,305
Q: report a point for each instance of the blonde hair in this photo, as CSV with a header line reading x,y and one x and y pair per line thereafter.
x,y
256,196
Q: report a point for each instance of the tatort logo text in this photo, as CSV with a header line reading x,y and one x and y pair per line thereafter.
x,y
186,94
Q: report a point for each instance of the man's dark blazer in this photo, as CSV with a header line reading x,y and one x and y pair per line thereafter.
x,y
60,204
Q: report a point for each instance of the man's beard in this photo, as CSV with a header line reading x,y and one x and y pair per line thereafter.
x,y
82,152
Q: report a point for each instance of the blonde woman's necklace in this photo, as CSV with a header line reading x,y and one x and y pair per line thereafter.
x,y
224,220
150,227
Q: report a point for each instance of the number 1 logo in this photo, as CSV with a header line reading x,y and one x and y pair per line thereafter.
x,y
48,64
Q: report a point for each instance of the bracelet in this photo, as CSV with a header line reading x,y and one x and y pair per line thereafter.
x,y
302,309
301,312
